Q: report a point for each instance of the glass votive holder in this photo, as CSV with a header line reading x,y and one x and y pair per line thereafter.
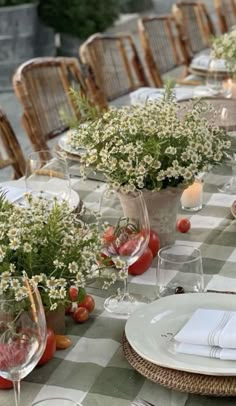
x,y
191,198
56,402
179,270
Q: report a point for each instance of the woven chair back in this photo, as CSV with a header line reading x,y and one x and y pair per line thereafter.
x,y
194,24
42,86
114,63
226,14
10,150
163,48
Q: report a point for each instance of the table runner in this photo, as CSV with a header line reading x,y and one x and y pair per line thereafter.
x,y
94,370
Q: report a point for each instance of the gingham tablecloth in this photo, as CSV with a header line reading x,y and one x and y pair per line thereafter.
x,y
93,370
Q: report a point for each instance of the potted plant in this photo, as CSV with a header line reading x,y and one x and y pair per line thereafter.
x,y
76,20
158,148
18,20
54,247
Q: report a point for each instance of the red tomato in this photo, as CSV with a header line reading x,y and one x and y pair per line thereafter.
x,y
107,261
142,264
68,309
183,225
88,303
50,347
73,292
127,248
109,236
154,243
80,315
5,383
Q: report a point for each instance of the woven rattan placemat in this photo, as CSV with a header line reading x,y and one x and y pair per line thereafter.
x,y
180,380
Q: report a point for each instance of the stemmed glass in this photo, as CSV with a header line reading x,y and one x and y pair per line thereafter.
x,y
125,238
48,177
22,330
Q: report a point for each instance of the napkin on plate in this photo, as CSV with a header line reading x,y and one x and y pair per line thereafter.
x,y
206,351
209,327
145,94
12,193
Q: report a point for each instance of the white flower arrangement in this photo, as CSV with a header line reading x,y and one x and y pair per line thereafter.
x,y
51,245
151,146
224,47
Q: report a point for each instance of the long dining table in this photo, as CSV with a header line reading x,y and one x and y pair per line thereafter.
x,y
94,370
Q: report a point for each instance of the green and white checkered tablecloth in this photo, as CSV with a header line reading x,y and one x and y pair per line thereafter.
x,y
93,370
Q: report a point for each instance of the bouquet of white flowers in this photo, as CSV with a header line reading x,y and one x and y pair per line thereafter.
x,y
152,146
224,47
51,245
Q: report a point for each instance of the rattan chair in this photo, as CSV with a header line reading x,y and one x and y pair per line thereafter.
x,y
194,25
42,86
226,14
10,150
115,65
163,48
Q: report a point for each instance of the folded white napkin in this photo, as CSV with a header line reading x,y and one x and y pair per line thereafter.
x,y
206,351
202,62
13,194
209,327
144,94
221,283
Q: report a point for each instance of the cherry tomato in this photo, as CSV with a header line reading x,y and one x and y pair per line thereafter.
x,y
81,315
183,225
62,342
109,236
154,243
50,347
5,383
107,261
68,309
142,264
128,247
88,303
73,292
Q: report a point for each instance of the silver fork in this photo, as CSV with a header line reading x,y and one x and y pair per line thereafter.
x,y
141,402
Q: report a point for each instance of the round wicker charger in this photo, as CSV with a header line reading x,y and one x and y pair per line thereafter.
x,y
179,380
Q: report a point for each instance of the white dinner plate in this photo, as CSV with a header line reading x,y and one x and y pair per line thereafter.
x,y
63,144
150,330
15,191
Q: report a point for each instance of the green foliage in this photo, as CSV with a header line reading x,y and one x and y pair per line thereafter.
x,y
79,18
7,3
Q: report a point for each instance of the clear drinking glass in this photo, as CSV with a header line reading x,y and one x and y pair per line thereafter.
x,y
49,177
56,402
125,237
217,78
22,330
179,270
226,119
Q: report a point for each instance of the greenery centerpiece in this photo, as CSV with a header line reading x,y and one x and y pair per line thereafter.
x,y
156,147
51,245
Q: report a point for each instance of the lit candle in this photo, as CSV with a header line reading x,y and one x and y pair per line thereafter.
x,y
191,198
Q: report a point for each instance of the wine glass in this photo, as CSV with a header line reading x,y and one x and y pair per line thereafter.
x,y
48,178
125,238
226,117
179,270
217,79
22,330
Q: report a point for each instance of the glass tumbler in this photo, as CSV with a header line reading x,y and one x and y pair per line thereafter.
x,y
56,402
179,270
